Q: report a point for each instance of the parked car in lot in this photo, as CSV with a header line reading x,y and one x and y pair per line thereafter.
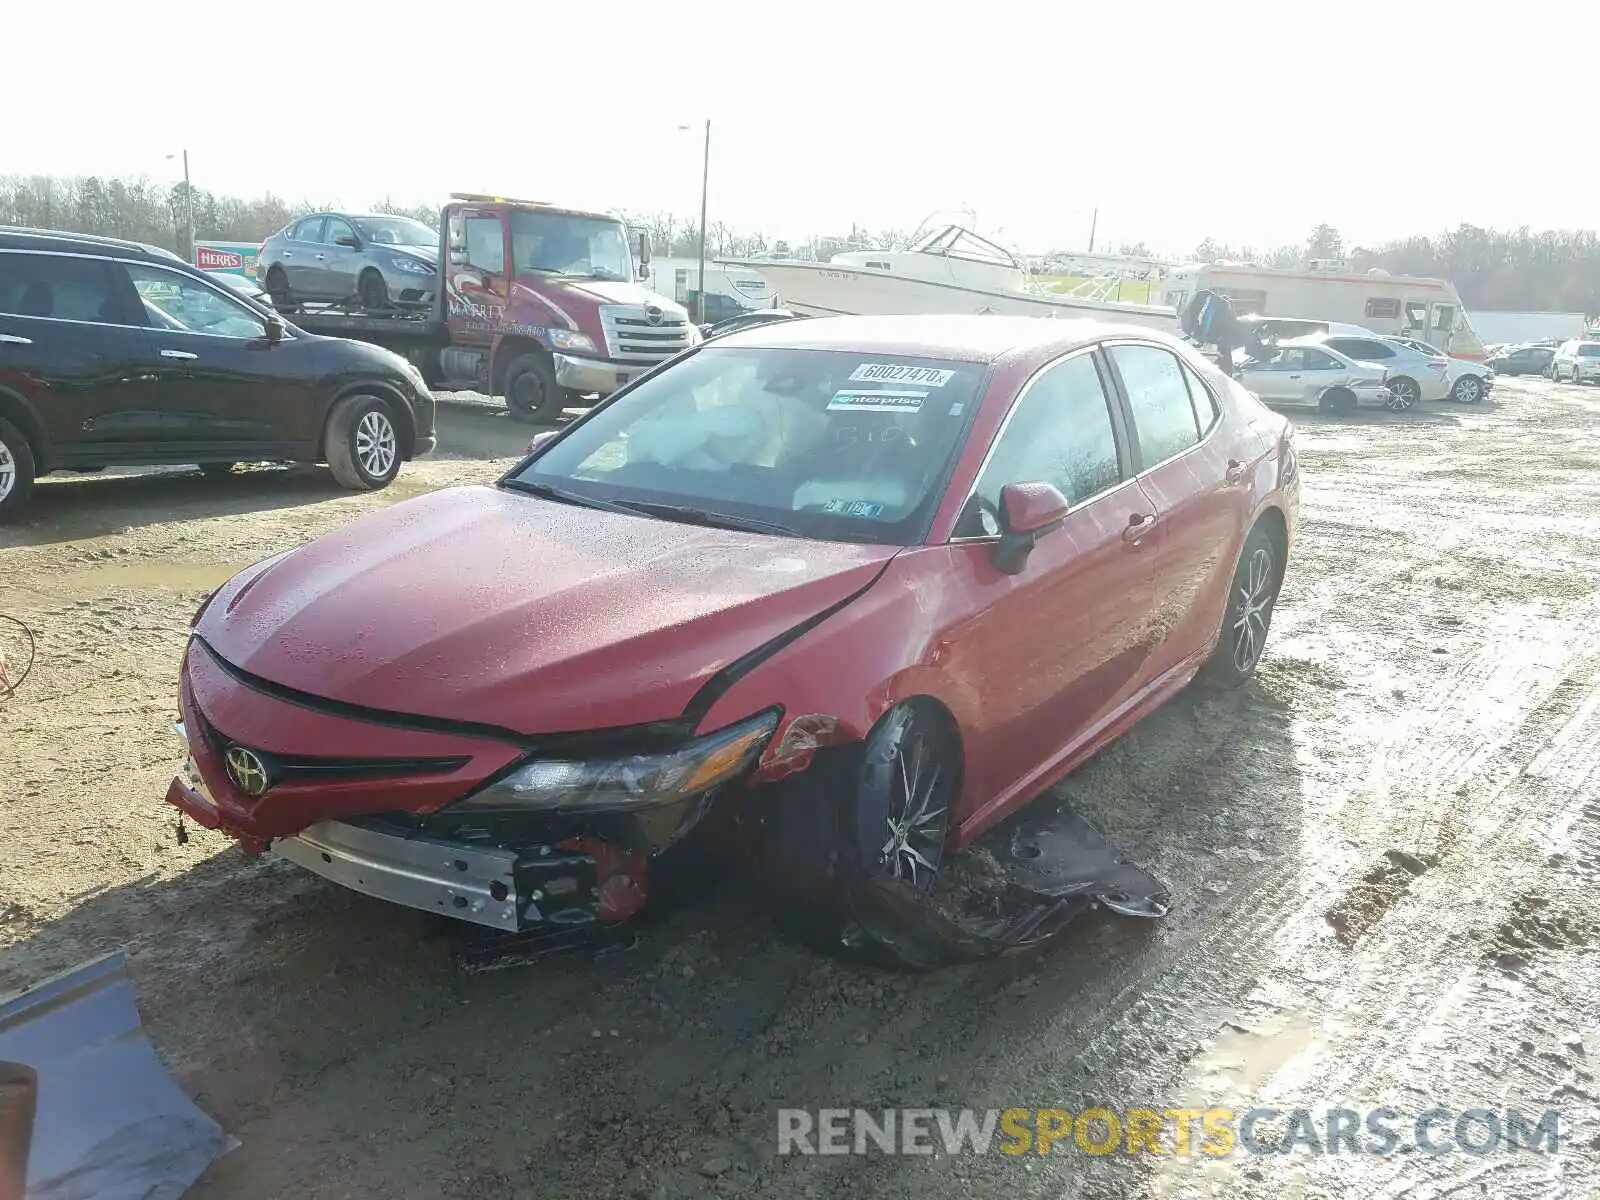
x,y
875,580
1311,374
1467,381
374,258
1521,360
115,354
1413,375
1577,362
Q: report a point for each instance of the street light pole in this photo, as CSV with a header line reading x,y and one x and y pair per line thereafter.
x,y
188,199
188,204
705,180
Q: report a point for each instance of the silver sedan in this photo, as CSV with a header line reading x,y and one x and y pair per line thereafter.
x,y
1317,377
377,260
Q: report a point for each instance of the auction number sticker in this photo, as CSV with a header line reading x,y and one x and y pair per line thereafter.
x,y
880,402
900,373
853,508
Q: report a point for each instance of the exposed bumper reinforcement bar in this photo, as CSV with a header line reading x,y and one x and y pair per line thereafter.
x,y
476,884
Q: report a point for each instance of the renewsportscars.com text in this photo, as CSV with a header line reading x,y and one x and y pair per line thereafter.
x,y
1214,1132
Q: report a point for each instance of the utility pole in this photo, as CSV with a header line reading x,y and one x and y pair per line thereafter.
x,y
705,181
188,199
1094,221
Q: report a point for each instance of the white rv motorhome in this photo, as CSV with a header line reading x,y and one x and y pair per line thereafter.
x,y
1426,310
730,290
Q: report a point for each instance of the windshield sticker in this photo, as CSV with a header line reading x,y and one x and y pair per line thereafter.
x,y
900,373
885,402
955,409
852,508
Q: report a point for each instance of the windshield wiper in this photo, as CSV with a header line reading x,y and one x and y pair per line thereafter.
x,y
548,491
690,515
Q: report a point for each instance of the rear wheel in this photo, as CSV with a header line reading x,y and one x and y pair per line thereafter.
x,y
16,469
372,290
531,391
1338,402
363,446
278,288
1248,615
1403,394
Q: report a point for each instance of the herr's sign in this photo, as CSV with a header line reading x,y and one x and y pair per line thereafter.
x,y
232,258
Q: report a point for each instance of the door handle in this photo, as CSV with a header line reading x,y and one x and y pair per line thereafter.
x,y
1139,524
1236,470
1294,376
181,354
322,258
12,339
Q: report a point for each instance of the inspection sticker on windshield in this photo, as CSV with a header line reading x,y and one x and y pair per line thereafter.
x,y
900,373
853,508
884,402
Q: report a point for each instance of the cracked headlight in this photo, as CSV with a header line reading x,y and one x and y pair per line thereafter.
x,y
629,782
571,339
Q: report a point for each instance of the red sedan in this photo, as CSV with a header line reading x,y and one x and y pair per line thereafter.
x,y
905,573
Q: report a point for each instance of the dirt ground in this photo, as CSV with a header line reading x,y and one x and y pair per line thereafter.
x,y
1384,855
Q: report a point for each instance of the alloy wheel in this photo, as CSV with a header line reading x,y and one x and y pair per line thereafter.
x,y
915,823
8,470
1402,395
375,444
1251,610
1469,390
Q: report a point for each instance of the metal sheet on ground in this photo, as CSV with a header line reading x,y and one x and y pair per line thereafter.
x,y
108,1121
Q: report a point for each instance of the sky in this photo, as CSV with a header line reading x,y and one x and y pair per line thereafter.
x,y
1247,122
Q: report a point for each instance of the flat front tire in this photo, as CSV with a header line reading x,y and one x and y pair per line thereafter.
x,y
363,445
16,469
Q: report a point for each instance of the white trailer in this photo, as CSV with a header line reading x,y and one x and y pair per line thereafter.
x,y
1411,306
1502,328
730,290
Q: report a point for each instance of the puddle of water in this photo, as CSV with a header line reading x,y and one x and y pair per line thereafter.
x,y
145,576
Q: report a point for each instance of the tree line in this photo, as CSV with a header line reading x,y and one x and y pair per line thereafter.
x,y
1549,270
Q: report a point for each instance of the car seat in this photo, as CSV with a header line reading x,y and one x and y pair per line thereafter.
x,y
38,300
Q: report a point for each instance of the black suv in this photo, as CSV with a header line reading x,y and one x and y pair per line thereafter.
x,y
117,353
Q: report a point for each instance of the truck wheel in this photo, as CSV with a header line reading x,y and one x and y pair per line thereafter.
x,y
374,292
278,289
532,393
363,448
16,469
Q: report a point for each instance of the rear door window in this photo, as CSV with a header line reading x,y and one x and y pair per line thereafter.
x,y
1163,413
59,286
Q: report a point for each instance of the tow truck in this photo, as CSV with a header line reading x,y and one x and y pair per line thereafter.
x,y
532,302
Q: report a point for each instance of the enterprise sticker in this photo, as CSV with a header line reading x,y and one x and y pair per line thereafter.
x,y
900,373
884,402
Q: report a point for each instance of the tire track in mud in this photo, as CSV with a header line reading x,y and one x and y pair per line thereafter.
x,y
1534,695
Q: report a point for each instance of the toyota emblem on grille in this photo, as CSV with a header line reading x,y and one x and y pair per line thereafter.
x,y
248,772
652,314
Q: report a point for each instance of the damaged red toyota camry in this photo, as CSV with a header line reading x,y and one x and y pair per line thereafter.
x,y
867,584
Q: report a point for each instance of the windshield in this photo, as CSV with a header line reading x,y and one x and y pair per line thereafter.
x,y
591,247
396,231
820,443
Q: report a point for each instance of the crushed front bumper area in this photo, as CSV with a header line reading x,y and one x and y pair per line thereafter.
x,y
511,891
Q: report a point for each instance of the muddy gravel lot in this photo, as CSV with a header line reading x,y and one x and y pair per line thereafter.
x,y
1384,854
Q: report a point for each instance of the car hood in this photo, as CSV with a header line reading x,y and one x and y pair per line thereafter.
x,y
427,254
606,291
484,605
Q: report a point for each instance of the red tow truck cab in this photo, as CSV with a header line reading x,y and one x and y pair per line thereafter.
x,y
536,303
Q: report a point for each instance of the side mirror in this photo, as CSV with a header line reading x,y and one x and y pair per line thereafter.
x,y
538,440
275,329
345,239
1028,511
644,249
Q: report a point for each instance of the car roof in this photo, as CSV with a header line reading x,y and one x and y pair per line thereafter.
x,y
17,237
949,336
